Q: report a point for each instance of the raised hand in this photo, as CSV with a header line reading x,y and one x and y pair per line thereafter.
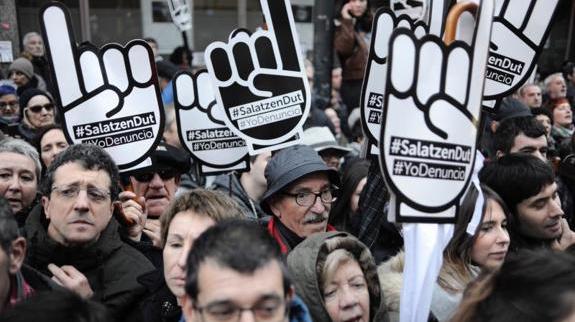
x,y
519,29
260,80
202,128
72,279
432,106
109,97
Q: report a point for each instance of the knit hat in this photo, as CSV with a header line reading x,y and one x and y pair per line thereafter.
x,y
7,90
291,164
31,92
22,65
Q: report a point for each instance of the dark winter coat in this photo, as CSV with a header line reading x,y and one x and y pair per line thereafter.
x,y
110,265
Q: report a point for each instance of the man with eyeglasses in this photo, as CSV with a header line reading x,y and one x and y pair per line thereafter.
x,y
301,189
74,239
236,273
151,191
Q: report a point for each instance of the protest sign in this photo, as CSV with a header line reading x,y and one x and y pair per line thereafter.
x,y
180,13
110,96
202,129
430,119
520,29
260,81
372,98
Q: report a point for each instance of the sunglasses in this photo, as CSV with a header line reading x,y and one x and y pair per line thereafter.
x,y
38,108
165,174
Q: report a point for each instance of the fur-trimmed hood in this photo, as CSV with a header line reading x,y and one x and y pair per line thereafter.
x,y
303,264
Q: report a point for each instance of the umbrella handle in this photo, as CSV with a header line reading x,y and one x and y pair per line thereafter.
x,y
453,17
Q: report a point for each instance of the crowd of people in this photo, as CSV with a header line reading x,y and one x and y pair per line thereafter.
x,y
302,236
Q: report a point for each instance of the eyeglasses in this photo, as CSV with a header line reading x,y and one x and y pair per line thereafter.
x,y
165,174
268,310
4,106
306,199
38,108
71,192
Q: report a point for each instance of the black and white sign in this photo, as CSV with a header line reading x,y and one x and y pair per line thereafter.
x,y
202,129
520,29
431,111
180,13
372,99
109,96
261,81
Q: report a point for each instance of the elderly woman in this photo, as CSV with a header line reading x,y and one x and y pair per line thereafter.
x,y
335,275
19,173
38,110
187,217
562,120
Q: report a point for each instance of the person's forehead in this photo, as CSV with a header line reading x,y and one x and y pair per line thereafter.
x,y
545,192
310,181
12,160
533,89
219,283
38,99
74,172
8,97
522,140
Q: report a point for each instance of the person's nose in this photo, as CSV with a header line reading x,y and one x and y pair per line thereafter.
x,y
502,236
247,316
347,298
14,184
318,206
156,182
82,201
555,209
183,257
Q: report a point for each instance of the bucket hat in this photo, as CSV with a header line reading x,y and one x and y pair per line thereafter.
x,y
291,164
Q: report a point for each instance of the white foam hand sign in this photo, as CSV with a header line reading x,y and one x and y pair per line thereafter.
x,y
109,97
431,114
201,126
520,28
260,80
385,22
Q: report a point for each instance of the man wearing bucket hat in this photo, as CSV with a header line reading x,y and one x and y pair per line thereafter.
x,y
300,191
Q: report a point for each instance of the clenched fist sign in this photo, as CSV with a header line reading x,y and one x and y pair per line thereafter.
x,y
261,82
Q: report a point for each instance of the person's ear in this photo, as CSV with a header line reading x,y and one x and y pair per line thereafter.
x,y
17,254
45,204
499,154
273,206
187,308
177,179
290,294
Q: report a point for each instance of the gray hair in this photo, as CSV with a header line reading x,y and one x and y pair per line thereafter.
x,y
29,35
22,147
550,78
